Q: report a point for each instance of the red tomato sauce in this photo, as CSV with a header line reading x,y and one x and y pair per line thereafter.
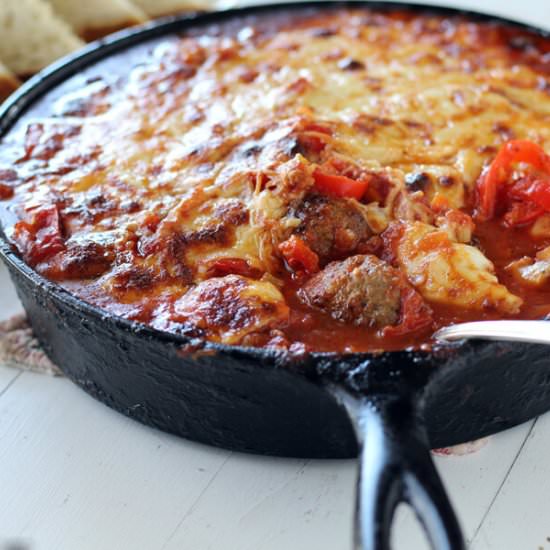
x,y
500,244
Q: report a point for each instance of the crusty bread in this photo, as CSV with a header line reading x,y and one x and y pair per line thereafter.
x,y
91,20
157,8
8,82
32,36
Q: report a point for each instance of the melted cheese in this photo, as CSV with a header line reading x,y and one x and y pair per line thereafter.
x,y
203,148
451,273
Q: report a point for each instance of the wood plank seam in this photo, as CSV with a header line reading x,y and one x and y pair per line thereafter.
x,y
10,383
267,496
498,491
196,501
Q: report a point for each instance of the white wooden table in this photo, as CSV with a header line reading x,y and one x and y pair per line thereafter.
x,y
75,475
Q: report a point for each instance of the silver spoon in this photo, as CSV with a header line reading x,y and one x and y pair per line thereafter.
x,y
537,332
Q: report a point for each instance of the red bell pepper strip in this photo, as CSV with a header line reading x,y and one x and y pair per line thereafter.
x,y
339,186
299,256
532,189
316,127
310,138
416,315
40,238
6,191
500,170
237,266
522,213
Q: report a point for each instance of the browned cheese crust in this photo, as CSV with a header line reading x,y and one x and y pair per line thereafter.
x,y
163,195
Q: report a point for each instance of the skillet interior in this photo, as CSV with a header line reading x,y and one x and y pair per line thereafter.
x,y
256,400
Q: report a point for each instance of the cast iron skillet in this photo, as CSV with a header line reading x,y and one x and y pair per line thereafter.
x,y
388,407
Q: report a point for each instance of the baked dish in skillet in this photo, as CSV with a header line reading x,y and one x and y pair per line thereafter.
x,y
341,179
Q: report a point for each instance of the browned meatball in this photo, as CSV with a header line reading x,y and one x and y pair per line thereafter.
x,y
332,227
362,290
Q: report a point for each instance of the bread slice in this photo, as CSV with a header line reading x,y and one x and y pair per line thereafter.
x,y
32,36
93,19
8,82
158,8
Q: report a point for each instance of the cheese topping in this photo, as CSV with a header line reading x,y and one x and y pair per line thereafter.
x,y
195,163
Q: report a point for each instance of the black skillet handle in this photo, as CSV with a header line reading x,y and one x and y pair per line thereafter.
x,y
396,466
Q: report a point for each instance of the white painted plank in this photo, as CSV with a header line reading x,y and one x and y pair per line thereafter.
x,y
9,303
520,518
75,474
7,378
92,478
287,504
535,12
265,503
472,481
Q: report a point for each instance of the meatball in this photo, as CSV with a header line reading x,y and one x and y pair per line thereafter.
x,y
332,227
362,290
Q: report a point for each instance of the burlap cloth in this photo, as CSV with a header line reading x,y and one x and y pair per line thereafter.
x,y
20,349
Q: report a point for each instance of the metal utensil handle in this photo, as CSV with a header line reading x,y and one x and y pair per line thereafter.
x,y
396,466
537,332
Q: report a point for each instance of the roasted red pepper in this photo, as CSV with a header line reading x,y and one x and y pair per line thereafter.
x,y
310,139
416,315
40,238
339,186
522,213
532,189
6,191
496,190
237,266
299,256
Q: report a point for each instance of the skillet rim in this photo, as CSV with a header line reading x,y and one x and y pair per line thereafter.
x,y
13,108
